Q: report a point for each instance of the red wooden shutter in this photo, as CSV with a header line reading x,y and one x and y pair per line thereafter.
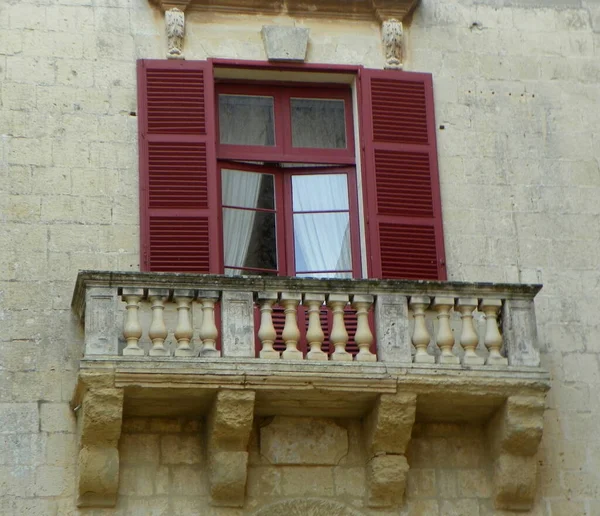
x,y
178,174
402,193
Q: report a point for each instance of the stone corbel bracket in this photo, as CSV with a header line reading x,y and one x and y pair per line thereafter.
x,y
392,36
229,426
175,25
514,435
387,431
100,414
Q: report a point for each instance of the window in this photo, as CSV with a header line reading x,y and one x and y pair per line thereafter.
x,y
287,179
249,164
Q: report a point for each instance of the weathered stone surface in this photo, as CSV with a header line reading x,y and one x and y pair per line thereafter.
x,y
98,469
103,322
386,477
307,507
518,426
237,324
291,440
388,428
227,477
229,426
520,330
100,415
514,482
231,419
515,433
391,327
285,43
100,418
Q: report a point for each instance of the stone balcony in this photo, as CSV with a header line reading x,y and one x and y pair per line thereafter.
x,y
387,352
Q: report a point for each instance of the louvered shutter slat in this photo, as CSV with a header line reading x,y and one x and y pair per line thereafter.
x,y
178,167
401,178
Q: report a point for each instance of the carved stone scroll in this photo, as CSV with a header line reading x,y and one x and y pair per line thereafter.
x,y
515,433
100,417
175,22
229,426
392,35
387,432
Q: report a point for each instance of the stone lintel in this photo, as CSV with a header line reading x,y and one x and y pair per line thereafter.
x,y
387,431
229,427
100,416
514,436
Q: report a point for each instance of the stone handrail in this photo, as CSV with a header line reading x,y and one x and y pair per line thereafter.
x,y
420,322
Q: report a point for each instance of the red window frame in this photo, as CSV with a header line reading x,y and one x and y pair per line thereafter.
x,y
286,265
341,161
283,151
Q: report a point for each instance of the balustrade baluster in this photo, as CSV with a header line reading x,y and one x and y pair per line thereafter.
x,y
468,337
291,333
267,333
208,330
445,337
493,338
420,336
183,331
314,333
363,336
338,335
132,329
158,329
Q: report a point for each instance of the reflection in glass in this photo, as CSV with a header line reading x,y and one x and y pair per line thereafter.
x,y
247,189
246,120
250,239
318,123
322,192
322,242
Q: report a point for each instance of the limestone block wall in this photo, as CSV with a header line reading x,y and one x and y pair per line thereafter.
x,y
517,95
164,469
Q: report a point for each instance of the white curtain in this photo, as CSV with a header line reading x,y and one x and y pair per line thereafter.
x,y
239,189
322,240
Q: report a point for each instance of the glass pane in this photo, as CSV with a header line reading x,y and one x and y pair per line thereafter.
x,y
326,275
318,123
320,192
249,239
247,189
322,242
246,120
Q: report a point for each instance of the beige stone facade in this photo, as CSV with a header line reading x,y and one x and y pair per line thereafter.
x,y
517,96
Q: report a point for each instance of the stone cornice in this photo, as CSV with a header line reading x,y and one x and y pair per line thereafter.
x,y
331,9
303,381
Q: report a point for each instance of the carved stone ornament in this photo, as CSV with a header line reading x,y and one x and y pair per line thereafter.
x,y
307,507
175,22
392,35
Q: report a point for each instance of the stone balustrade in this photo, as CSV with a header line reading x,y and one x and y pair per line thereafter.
x,y
157,315
388,353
